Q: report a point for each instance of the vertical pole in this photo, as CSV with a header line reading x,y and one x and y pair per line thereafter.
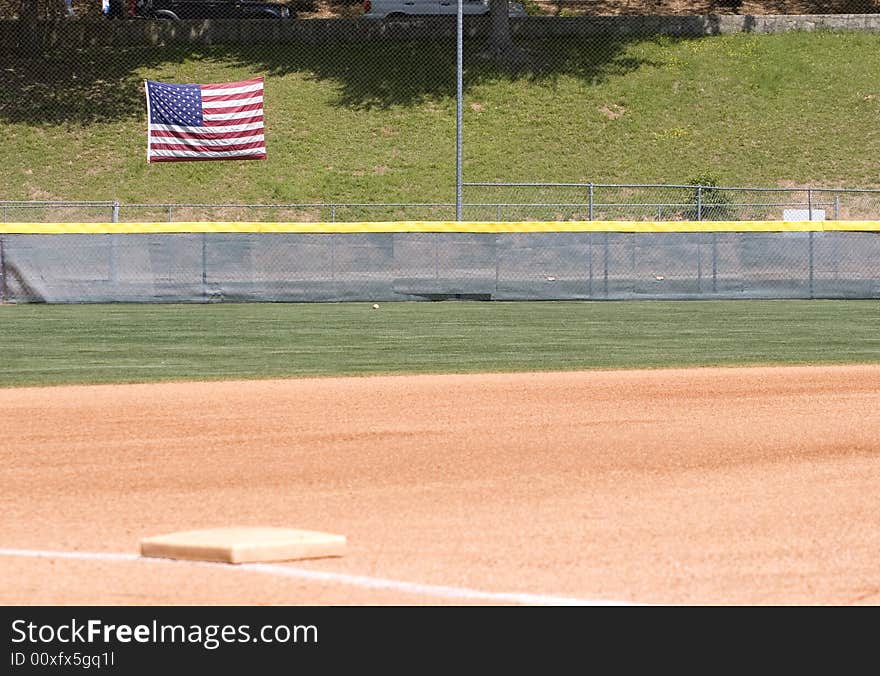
x,y
700,262
459,67
497,262
714,262
114,215
837,207
810,214
699,203
2,272
112,256
590,255
205,266
811,265
332,213
170,214
633,251
591,206
332,256
605,283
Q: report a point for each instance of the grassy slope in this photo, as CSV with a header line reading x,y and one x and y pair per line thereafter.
x,y
377,122
134,343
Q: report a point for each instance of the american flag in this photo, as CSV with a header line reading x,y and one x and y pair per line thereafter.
x,y
187,122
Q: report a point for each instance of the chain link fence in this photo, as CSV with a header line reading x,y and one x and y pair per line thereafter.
x,y
499,202
311,9
642,99
216,266
587,110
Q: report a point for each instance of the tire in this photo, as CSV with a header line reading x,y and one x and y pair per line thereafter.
x,y
166,15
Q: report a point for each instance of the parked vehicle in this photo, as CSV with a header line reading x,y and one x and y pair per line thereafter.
x,y
391,9
183,10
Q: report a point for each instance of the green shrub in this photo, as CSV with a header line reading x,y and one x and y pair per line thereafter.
x,y
532,8
707,201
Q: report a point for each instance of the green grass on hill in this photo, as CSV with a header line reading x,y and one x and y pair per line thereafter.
x,y
56,344
376,122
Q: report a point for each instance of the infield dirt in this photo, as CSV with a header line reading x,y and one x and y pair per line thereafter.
x,y
718,486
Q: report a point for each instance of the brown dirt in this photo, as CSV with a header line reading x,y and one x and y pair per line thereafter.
x,y
704,486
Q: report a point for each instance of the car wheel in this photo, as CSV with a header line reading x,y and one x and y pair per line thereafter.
x,y
166,15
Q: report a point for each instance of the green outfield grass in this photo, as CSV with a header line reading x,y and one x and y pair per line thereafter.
x,y
56,344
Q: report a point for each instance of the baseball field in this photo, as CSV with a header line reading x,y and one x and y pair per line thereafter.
x,y
472,453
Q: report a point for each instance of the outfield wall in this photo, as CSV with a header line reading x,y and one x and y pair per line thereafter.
x,y
313,262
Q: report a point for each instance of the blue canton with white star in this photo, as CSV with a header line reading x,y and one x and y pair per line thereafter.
x,y
175,104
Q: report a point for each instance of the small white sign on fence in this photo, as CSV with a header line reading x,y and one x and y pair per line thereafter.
x,y
803,215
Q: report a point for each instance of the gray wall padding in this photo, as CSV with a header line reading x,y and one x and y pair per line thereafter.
x,y
428,266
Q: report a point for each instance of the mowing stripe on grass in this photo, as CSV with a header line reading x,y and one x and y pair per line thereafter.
x,y
118,343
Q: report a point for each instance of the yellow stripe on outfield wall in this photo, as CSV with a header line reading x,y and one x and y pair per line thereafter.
x,y
437,226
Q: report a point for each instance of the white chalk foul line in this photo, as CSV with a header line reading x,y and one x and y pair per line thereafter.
x,y
362,581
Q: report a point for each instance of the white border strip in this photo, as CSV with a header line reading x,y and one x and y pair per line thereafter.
x,y
439,591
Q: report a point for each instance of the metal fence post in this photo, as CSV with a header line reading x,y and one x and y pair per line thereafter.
x,y
590,254
2,272
699,262
811,265
810,216
170,214
459,95
836,207
114,216
332,213
205,266
699,203
591,202
714,262
497,248
605,265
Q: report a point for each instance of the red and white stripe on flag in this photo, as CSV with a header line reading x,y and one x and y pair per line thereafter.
x,y
205,122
